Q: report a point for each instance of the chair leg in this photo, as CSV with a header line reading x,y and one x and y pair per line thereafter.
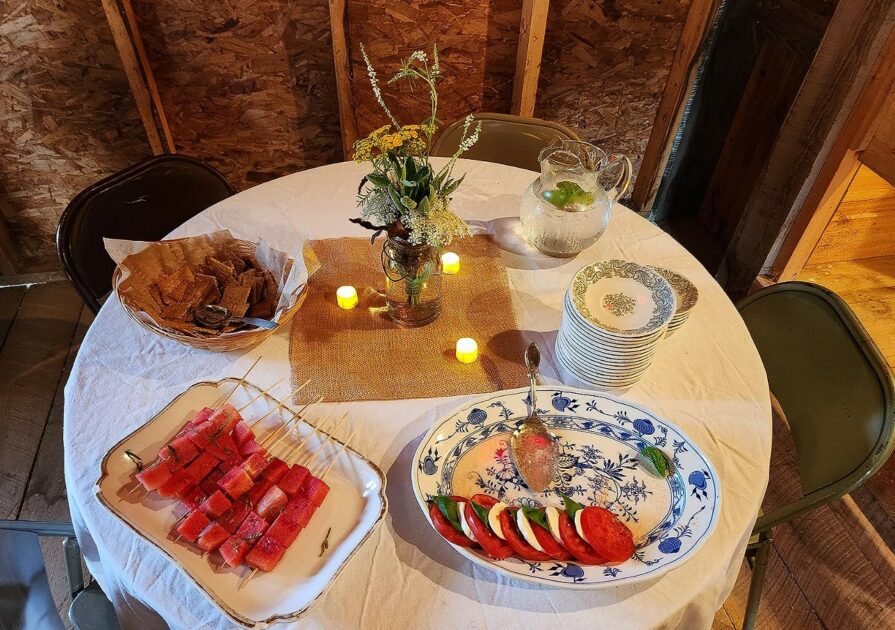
x,y
73,566
759,570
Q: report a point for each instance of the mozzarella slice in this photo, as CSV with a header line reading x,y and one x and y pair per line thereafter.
x,y
461,512
578,524
494,519
527,531
553,522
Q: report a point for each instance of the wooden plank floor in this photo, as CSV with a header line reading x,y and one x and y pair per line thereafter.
x,y
824,570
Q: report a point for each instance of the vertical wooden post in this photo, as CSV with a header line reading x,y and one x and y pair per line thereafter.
x,y
342,63
134,76
680,78
532,28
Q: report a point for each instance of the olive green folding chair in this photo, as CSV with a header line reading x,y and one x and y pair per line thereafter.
x,y
25,599
837,395
505,139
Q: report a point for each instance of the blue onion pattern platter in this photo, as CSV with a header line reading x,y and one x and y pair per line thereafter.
x,y
467,452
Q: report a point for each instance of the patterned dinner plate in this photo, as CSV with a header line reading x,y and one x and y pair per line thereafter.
x,y
590,331
623,298
467,452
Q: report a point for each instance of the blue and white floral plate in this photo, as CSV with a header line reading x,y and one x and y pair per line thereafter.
x,y
467,452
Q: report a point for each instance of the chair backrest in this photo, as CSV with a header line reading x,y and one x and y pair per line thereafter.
x,y
143,202
831,381
505,139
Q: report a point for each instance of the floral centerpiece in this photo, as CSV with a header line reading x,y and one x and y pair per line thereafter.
x,y
406,197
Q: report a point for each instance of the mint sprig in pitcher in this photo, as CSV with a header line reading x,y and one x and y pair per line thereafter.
x,y
568,207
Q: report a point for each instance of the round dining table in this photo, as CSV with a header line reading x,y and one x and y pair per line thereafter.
x,y
707,379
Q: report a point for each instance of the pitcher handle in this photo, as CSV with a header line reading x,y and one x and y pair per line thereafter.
x,y
623,181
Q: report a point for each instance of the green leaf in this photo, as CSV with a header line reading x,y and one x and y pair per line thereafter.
x,y
452,186
448,507
408,203
655,461
396,199
536,515
481,512
377,180
572,506
423,206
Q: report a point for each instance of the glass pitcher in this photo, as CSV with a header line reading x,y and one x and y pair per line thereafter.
x,y
567,208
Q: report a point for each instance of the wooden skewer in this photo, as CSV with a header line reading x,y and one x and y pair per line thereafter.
x,y
342,448
295,451
134,489
322,444
240,383
249,404
298,416
280,404
246,579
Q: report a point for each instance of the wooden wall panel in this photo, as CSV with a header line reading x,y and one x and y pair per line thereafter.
x,y
67,118
863,225
477,44
247,85
605,66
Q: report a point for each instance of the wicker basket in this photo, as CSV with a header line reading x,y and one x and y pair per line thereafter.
x,y
224,343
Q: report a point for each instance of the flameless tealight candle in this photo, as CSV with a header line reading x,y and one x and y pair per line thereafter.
x,y
346,297
450,263
467,350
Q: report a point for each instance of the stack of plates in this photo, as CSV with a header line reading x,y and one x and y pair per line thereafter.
x,y
685,294
615,313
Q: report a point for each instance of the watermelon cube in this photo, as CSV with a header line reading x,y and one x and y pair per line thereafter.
x,y
254,464
225,418
275,470
235,483
195,497
210,483
315,489
266,554
227,445
215,505
252,528
193,525
250,446
201,467
177,486
227,464
155,476
258,490
272,503
300,509
179,452
233,518
242,433
212,537
202,416
284,530
292,481
234,550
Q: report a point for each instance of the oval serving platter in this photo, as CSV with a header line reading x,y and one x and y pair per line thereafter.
x,y
467,452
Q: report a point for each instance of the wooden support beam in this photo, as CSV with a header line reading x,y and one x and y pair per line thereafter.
x,y
803,229
880,152
342,62
677,87
532,28
844,62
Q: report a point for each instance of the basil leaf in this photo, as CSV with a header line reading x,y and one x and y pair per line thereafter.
x,y
572,506
536,515
655,461
481,512
448,507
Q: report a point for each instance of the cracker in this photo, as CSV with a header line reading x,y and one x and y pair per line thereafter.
x,y
235,298
177,310
174,285
222,271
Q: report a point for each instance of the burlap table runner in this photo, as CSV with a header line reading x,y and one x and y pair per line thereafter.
x,y
360,354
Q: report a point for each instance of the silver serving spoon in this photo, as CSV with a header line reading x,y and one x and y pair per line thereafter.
x,y
532,446
215,316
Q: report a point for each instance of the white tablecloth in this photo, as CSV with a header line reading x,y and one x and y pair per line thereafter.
x,y
707,378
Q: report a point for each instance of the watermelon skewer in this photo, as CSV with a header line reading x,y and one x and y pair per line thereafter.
x,y
269,549
240,383
299,415
282,403
264,393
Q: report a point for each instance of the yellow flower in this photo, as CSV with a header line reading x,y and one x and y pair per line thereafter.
x,y
391,141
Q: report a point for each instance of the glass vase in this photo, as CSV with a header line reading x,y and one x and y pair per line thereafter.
x,y
412,281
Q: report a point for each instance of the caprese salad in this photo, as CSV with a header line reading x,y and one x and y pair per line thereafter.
x,y
587,535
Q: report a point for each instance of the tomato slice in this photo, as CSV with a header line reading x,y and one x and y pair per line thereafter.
x,y
515,539
493,546
485,500
444,527
548,542
576,545
607,535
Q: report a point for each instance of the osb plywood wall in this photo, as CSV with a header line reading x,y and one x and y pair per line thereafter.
x,y
477,48
605,65
247,85
67,117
